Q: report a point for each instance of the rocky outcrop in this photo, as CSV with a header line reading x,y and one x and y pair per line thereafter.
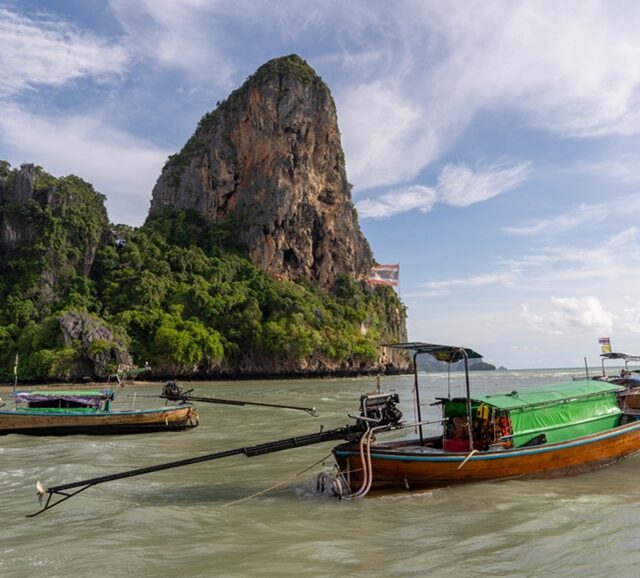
x,y
16,188
271,157
54,225
104,351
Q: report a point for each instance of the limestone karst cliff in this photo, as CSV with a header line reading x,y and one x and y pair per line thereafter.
x,y
50,228
250,263
270,156
50,232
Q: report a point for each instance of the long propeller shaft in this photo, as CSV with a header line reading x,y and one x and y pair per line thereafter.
x,y
192,398
46,494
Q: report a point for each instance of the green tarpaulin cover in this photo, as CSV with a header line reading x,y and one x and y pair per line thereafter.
x,y
561,411
548,393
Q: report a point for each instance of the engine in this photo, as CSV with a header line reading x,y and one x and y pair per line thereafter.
x,y
379,409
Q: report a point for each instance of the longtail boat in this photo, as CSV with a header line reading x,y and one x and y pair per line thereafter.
x,y
59,412
626,376
550,431
546,432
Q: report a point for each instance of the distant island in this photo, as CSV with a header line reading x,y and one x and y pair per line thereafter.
x,y
426,363
482,366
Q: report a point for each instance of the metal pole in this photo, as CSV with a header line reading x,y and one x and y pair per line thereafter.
x,y
586,368
415,386
190,398
469,412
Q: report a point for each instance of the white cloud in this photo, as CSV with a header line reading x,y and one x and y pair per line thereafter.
x,y
45,51
204,37
567,313
631,314
116,163
504,278
380,135
395,202
624,168
614,259
410,77
193,36
570,68
556,268
538,322
457,185
625,206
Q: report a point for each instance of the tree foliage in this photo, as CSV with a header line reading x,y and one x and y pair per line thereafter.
x,y
181,291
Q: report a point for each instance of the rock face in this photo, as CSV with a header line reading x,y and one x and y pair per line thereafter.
x,y
49,224
104,351
15,189
271,157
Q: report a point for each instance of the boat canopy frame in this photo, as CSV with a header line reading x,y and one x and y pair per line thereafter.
x,y
618,355
449,354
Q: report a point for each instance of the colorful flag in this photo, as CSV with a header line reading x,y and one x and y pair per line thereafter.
x,y
605,344
384,275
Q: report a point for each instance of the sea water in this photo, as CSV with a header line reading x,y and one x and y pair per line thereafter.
x,y
262,516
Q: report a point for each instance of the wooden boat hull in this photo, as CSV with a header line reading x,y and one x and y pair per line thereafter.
x,y
409,466
34,422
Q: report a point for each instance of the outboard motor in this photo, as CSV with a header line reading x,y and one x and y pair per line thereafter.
x,y
173,391
379,410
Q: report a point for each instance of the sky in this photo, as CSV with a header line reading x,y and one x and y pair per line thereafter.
x,y
493,147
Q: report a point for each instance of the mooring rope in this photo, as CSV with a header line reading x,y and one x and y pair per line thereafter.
x,y
280,483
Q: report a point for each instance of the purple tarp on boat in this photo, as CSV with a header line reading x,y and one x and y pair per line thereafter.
x,y
86,398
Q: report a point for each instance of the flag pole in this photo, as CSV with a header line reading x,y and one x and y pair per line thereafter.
x,y
15,374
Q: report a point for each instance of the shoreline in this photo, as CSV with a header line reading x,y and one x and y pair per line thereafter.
x,y
104,384
6,389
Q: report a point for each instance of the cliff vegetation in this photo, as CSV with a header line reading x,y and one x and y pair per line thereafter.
x,y
250,263
178,293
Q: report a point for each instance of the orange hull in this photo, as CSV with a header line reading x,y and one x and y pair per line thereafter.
x,y
407,465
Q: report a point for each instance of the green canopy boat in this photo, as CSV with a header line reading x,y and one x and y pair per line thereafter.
x,y
549,431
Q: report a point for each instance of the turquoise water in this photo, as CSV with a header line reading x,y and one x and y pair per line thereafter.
x,y
201,520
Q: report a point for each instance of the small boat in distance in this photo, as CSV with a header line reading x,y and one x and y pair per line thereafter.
x,y
59,412
546,432
626,376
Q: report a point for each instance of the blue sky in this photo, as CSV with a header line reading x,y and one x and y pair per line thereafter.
x,y
493,147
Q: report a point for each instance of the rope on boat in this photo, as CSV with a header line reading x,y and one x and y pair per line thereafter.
x,y
467,459
193,418
280,483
